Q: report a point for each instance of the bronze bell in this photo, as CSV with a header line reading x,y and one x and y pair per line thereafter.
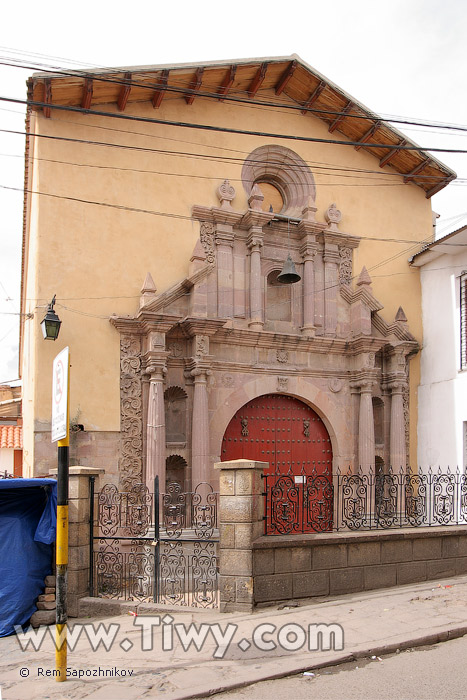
x,y
289,274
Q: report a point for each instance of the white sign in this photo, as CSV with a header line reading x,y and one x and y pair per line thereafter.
x,y
60,395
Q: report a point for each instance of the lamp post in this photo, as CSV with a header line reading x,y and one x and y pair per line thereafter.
x,y
60,434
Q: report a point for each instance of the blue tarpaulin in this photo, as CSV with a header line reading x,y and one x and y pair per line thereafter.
x,y
28,519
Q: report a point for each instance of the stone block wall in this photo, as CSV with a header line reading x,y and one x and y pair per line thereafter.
x,y
78,535
295,567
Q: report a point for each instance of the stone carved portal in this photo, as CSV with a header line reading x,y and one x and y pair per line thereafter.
x,y
294,440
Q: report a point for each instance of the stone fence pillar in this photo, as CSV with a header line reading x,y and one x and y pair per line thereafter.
x,y
78,535
241,522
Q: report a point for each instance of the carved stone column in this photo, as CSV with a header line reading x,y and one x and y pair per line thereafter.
x,y
366,428
200,428
308,252
255,243
155,443
397,448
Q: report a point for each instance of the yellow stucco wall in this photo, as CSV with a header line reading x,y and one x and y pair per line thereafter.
x,y
95,258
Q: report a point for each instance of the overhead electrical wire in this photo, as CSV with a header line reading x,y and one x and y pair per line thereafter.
x,y
231,130
60,72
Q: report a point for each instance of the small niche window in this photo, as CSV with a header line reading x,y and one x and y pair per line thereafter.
x,y
273,199
278,299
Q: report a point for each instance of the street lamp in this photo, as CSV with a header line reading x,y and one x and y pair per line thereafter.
x,y
50,324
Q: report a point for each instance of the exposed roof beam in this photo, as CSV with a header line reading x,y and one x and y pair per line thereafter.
x,y
314,96
415,171
124,93
160,89
366,137
439,186
286,76
391,154
47,96
341,116
87,94
257,80
227,82
194,86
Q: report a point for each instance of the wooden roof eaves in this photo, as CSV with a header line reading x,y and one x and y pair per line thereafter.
x,y
294,61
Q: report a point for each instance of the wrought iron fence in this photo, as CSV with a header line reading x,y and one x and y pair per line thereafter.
x,y
6,475
328,502
155,547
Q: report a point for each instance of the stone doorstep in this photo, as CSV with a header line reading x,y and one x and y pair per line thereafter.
x,y
94,607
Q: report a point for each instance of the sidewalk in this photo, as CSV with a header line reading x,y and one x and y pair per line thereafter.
x,y
373,623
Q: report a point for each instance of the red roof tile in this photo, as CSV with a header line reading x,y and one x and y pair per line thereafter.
x,y
11,437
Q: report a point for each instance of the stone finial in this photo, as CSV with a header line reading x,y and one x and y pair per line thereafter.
x,y
256,198
364,278
148,290
225,194
333,216
400,316
309,212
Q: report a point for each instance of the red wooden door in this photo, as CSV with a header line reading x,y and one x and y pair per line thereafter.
x,y
292,437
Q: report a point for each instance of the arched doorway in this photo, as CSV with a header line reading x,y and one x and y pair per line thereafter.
x,y
291,436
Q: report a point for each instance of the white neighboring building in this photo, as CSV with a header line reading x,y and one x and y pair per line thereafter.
x,y
442,395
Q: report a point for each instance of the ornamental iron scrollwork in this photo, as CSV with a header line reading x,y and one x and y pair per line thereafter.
x,y
381,500
174,561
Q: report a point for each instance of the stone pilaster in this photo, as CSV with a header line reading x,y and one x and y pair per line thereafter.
x,y
331,286
397,445
240,524
224,241
200,428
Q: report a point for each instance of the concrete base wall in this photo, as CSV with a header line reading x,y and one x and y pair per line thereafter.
x,y
286,568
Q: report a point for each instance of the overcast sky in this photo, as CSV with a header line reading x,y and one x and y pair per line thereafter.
x,y
402,57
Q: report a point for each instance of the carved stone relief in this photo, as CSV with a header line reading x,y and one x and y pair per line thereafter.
x,y
335,384
131,410
228,380
207,240
202,345
282,356
175,350
282,383
345,266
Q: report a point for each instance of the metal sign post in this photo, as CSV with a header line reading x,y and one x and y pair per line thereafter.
x,y
60,434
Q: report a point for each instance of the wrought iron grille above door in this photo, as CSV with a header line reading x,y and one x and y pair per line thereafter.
x,y
151,547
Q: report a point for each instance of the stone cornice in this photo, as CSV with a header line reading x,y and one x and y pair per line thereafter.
x,y
255,219
144,322
178,290
191,327
341,239
361,294
267,339
396,328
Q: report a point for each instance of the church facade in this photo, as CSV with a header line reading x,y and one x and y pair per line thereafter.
x,y
164,235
